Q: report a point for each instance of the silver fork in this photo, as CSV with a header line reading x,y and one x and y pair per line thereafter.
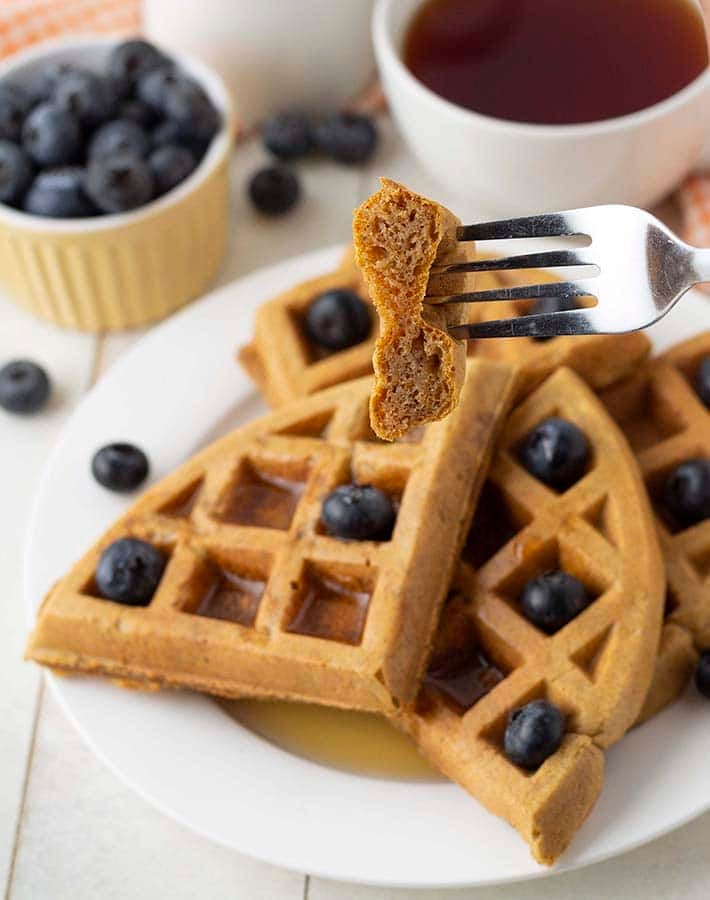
x,y
635,269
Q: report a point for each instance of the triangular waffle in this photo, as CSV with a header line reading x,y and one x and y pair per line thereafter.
x,y
281,359
313,618
596,669
666,424
601,360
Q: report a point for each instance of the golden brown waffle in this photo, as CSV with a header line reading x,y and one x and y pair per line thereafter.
x,y
601,360
596,669
666,423
256,599
280,358
419,368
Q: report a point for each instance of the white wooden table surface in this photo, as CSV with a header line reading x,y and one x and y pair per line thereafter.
x,y
68,828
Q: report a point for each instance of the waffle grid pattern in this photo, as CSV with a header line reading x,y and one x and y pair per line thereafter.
x,y
666,424
373,606
281,360
597,668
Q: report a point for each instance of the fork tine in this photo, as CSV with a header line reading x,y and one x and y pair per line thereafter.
x,y
545,260
530,292
551,225
575,321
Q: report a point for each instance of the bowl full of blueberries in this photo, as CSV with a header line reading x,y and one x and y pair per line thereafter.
x,y
113,170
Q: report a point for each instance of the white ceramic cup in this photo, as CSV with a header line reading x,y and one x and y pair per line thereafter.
x,y
511,168
273,54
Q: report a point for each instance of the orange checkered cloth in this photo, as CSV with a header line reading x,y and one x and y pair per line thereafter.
x,y
25,22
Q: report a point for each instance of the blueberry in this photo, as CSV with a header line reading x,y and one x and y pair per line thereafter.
x,y
556,452
44,82
288,135
347,137
86,96
24,387
170,164
119,89
119,183
152,88
51,136
181,99
552,600
120,467
129,571
119,136
686,492
14,106
133,59
358,513
138,112
59,194
15,173
169,132
551,305
702,381
702,674
534,733
337,319
274,190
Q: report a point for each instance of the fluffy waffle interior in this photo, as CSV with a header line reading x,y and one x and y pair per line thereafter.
x,y
666,424
597,668
256,599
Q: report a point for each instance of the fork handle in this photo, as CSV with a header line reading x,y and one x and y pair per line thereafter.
x,y
700,265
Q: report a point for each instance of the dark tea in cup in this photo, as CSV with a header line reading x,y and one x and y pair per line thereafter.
x,y
556,62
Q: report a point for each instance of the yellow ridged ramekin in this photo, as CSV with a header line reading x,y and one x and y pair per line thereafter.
x,y
107,273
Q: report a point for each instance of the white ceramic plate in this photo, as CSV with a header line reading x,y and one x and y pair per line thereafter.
x,y
178,388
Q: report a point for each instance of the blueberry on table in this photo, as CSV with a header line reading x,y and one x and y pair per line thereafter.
x,y
15,173
14,106
24,387
288,135
86,96
337,319
133,59
119,136
274,190
119,183
129,571
358,512
551,305
59,194
702,674
52,136
686,493
552,600
556,452
170,164
534,733
347,137
120,467
702,381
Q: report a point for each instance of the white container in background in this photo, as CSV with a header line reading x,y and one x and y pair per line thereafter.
x,y
514,168
273,54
